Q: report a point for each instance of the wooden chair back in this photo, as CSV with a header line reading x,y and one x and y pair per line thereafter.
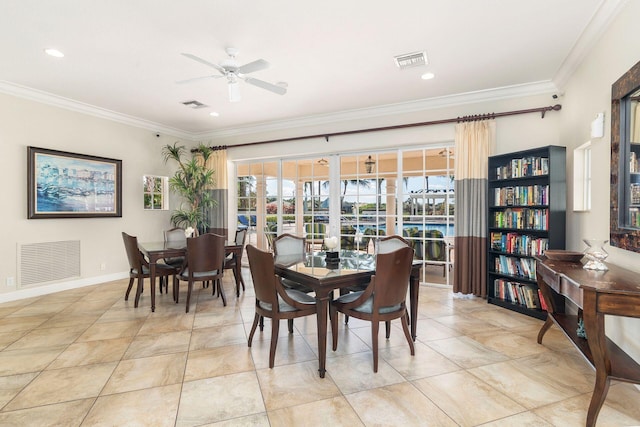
x,y
263,274
134,256
205,254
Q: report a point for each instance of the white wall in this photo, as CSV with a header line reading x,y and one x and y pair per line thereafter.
x,y
588,92
24,123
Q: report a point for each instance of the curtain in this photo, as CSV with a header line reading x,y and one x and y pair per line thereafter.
x,y
473,143
635,121
217,216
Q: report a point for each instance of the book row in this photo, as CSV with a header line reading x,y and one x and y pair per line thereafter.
x,y
520,267
516,243
527,166
635,194
521,195
518,293
524,218
634,217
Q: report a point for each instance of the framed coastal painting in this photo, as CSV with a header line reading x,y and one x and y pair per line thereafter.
x,y
70,185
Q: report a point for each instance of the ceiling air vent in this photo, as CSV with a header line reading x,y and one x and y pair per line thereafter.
x,y
194,104
409,60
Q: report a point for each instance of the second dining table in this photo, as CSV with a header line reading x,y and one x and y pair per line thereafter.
x,y
155,251
354,268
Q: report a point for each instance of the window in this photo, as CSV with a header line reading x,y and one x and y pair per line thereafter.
x,y
356,197
155,190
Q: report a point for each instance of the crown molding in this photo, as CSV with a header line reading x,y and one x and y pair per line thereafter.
x,y
91,110
507,92
597,26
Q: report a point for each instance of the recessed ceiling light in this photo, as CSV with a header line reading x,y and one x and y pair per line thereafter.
x,y
427,76
214,114
54,52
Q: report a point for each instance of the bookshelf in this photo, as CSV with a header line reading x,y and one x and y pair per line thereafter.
x,y
526,216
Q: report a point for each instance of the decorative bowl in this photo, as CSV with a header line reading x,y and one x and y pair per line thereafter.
x,y
562,255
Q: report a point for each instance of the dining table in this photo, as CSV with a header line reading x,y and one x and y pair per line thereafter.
x,y
352,268
155,251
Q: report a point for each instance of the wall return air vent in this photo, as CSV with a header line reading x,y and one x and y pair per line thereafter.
x,y
409,60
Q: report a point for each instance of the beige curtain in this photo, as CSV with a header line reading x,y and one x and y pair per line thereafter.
x,y
217,216
473,144
635,122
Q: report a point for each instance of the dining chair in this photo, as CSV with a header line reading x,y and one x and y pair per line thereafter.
x,y
139,267
273,300
205,262
371,235
314,234
290,245
271,232
383,300
175,236
435,249
234,260
348,237
390,243
382,246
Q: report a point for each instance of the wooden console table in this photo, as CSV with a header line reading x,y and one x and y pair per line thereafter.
x,y
615,292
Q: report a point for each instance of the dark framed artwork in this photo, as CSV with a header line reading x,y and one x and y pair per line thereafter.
x,y
70,185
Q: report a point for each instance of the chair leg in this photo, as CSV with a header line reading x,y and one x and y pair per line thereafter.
x,y
290,325
333,315
189,289
375,327
346,318
138,291
221,291
176,289
407,334
237,282
387,329
261,323
275,325
256,319
126,295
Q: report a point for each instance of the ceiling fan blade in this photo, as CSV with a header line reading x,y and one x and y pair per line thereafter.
x,y
251,67
268,86
198,78
202,61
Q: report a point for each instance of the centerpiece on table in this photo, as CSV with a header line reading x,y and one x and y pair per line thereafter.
x,y
332,258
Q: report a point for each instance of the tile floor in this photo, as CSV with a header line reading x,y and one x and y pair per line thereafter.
x,y
86,357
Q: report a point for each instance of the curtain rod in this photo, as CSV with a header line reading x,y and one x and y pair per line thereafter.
x,y
471,118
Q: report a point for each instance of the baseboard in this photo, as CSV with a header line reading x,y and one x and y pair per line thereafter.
x,y
36,291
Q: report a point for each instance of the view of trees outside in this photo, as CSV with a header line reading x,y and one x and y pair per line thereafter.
x,y
375,200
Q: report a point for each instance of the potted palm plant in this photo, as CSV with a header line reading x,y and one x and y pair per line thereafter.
x,y
192,181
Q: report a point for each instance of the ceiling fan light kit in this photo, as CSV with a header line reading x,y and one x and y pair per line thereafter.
x,y
230,69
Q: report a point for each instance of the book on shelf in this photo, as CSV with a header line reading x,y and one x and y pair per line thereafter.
x,y
526,166
517,243
528,195
517,293
634,217
518,267
543,304
521,218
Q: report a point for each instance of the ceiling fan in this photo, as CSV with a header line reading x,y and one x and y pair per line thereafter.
x,y
230,69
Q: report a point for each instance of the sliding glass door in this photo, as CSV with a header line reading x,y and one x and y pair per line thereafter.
x,y
358,197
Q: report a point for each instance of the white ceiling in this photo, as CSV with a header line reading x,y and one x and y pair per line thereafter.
x,y
123,57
